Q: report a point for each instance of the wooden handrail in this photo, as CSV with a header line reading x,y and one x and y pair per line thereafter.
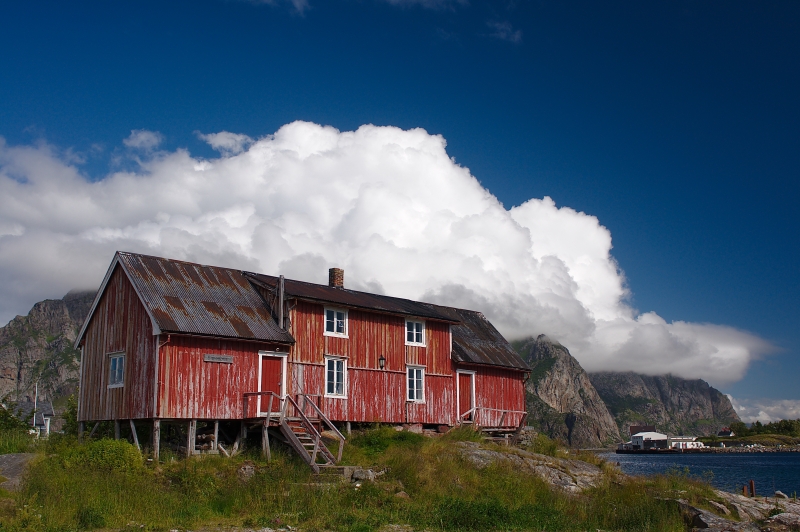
x,y
303,418
272,396
327,422
475,410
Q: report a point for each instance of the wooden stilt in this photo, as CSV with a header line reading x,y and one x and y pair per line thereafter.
x,y
156,438
116,429
348,428
223,450
135,436
191,437
93,430
81,428
265,440
240,439
216,435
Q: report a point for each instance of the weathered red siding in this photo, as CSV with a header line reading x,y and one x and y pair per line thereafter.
x,y
372,394
498,390
120,323
190,388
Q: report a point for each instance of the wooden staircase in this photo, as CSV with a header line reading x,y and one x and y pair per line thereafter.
x,y
298,421
304,438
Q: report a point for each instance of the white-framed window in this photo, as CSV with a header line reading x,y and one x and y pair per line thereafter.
x,y
335,377
415,384
335,322
415,332
116,370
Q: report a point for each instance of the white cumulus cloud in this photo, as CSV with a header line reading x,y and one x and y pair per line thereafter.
x,y
766,410
227,143
142,139
389,206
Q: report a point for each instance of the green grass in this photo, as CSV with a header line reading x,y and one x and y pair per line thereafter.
x,y
768,440
108,485
16,441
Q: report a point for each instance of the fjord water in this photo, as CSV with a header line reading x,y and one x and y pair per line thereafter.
x,y
770,471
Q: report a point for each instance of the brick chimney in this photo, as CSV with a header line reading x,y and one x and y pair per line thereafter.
x,y
336,277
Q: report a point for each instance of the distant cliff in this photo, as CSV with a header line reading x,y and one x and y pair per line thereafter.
x,y
673,405
38,348
562,402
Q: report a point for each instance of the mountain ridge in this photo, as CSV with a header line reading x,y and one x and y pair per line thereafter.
x,y
672,404
38,348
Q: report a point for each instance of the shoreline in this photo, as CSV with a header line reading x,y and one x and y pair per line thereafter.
x,y
713,450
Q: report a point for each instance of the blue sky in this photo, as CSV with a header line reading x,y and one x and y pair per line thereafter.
x,y
675,124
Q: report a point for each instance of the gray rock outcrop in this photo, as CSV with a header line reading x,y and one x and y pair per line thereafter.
x,y
674,405
562,402
572,476
38,348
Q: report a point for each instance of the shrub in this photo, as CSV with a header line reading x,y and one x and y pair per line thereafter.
x,y
90,517
373,442
543,445
104,455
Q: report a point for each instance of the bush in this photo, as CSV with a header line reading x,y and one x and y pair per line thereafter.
x,y
543,445
373,442
70,416
104,455
8,421
90,517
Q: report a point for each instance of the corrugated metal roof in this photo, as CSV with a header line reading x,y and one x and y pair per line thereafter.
x,y
355,299
184,297
476,341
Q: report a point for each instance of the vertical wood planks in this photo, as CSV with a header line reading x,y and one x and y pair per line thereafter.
x,y
120,324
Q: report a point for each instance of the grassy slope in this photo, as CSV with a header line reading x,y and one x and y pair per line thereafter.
x,y
768,440
106,484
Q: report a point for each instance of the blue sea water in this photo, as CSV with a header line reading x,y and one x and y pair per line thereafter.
x,y
729,471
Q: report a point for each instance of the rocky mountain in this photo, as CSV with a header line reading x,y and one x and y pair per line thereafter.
x,y
562,402
673,405
38,348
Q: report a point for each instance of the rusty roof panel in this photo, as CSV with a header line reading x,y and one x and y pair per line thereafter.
x,y
355,299
476,341
191,298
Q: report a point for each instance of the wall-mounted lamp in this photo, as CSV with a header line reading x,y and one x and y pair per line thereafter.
x,y
382,362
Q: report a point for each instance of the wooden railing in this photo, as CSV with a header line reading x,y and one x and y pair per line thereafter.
x,y
474,415
310,429
307,400
272,402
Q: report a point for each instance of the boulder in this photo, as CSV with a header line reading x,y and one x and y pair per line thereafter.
x,y
572,476
697,518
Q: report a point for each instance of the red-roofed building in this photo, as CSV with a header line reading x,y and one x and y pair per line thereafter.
x,y
181,343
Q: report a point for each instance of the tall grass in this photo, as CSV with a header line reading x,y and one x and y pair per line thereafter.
x,y
16,441
107,484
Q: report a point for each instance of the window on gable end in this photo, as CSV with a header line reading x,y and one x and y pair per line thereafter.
x,y
116,370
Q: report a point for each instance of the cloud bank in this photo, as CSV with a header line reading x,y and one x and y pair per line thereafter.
x,y
388,205
766,410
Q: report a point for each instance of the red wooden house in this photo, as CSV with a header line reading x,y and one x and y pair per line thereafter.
x,y
179,342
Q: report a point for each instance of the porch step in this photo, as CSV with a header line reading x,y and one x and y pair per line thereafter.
x,y
305,442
